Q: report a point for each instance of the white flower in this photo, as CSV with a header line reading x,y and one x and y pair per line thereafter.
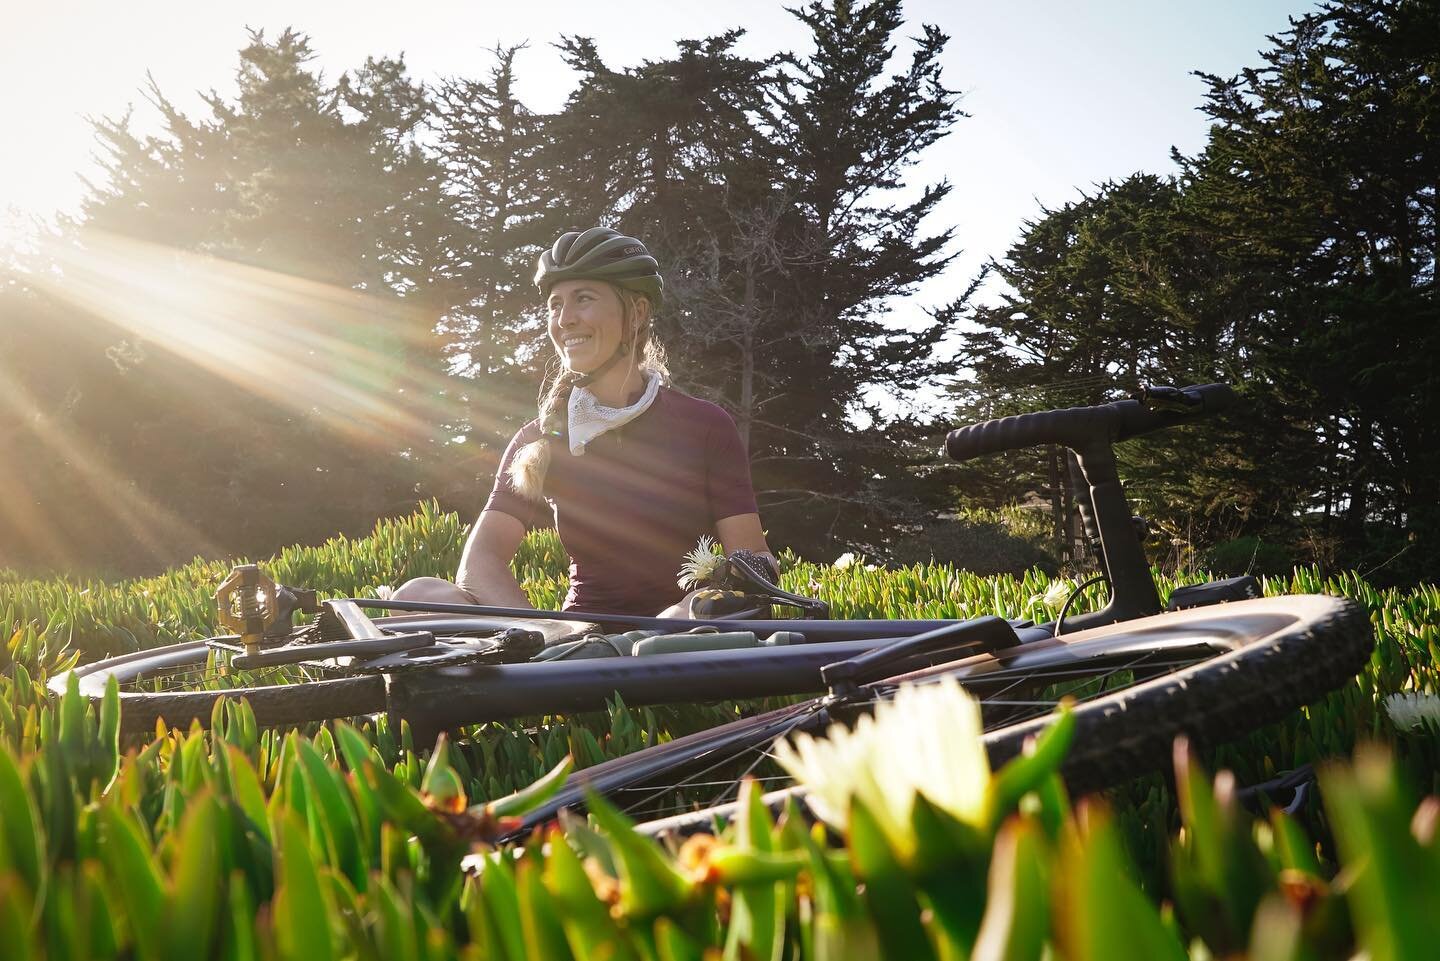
x,y
1413,711
701,564
924,741
1056,594
844,560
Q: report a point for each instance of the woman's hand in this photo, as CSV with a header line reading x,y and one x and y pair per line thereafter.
x,y
743,532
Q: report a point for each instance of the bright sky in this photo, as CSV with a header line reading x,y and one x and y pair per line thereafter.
x,y
1063,94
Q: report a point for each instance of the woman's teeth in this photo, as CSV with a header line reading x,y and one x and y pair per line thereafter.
x,y
574,341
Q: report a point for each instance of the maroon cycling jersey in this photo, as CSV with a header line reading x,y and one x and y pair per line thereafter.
x,y
636,501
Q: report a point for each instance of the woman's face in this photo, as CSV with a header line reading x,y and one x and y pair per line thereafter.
x,y
587,323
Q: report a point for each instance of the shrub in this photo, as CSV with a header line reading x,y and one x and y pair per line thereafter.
x,y
1249,555
982,542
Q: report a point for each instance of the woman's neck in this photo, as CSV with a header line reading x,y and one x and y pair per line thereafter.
x,y
620,386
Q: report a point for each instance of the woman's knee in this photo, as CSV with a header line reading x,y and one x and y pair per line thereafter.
x,y
435,590
683,608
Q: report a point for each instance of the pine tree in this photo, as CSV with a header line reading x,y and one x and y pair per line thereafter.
x,y
317,203
846,130
1105,294
1320,177
1295,257
763,188
488,146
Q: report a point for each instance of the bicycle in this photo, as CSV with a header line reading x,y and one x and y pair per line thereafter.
x,y
1142,675
1210,672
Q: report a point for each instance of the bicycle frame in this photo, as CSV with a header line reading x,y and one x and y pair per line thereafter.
x,y
1120,552
446,698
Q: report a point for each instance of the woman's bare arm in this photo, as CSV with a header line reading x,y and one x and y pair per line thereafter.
x,y
485,562
743,532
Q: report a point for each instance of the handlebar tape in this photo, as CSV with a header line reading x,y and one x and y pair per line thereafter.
x,y
1077,427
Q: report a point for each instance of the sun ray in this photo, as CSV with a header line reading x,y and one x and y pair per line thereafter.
x,y
111,498
362,367
351,358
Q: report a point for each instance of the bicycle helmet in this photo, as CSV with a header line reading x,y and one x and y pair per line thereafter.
x,y
601,254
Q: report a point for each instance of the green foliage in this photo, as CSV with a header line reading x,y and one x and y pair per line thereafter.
x,y
1249,555
101,839
51,622
1293,256
981,542
185,853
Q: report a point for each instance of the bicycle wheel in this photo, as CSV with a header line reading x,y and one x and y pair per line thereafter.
x,y
1210,673
181,683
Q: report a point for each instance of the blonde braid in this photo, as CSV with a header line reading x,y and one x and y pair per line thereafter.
x,y
532,462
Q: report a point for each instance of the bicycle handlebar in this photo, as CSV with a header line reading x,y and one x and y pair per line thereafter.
x,y
1078,427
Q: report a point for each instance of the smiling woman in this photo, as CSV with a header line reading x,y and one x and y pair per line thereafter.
x,y
630,472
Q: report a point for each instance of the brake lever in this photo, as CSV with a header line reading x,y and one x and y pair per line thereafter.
x,y
743,570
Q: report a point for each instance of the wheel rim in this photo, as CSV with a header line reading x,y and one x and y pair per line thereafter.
x,y
1142,682
1007,697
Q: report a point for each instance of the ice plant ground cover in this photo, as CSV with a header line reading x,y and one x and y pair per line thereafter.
x,y
344,841
231,843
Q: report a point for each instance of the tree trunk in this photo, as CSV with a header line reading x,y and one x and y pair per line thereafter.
x,y
1363,440
745,411
1057,501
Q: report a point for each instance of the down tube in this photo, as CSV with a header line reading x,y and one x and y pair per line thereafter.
x,y
444,698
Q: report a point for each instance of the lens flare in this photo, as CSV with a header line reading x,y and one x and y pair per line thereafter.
x,y
351,358
350,364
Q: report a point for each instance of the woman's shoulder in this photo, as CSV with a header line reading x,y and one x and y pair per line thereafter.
x,y
694,410
530,431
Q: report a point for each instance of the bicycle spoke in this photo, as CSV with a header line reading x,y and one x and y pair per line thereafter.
x,y
1004,695
1019,678
760,751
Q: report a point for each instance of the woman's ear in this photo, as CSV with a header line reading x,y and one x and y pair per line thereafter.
x,y
640,304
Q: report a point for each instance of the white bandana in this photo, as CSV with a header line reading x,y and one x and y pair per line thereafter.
x,y
589,418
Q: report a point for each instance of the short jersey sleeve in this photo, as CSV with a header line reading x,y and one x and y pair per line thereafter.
x,y
727,470
503,496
